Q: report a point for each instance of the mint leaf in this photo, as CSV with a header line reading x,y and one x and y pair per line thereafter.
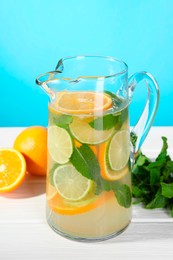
x,y
167,190
159,201
91,160
63,119
140,161
105,123
123,194
80,163
94,168
157,164
169,165
163,153
154,176
137,192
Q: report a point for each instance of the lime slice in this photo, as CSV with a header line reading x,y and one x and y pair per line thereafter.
x,y
119,150
59,144
84,133
70,184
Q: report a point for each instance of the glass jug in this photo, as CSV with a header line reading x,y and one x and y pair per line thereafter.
x,y
90,147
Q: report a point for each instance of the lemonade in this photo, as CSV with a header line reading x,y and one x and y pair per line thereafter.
x,y
88,179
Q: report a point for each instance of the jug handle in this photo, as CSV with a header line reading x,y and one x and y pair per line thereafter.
x,y
141,129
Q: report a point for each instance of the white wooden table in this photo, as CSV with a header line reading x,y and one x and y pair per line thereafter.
x,y
24,233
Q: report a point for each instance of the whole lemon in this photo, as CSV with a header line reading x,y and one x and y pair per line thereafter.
x,y
32,143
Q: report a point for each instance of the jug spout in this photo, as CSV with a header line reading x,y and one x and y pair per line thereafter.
x,y
44,80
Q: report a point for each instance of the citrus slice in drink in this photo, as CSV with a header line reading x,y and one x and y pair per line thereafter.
x,y
84,133
113,157
61,206
59,144
12,169
119,150
51,191
82,102
70,184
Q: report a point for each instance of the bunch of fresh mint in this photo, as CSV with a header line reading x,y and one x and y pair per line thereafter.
x,y
153,180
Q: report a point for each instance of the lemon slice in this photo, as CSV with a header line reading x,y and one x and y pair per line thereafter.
x,y
59,144
119,150
84,133
70,184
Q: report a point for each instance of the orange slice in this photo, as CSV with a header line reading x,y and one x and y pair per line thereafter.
x,y
105,171
12,169
82,102
58,205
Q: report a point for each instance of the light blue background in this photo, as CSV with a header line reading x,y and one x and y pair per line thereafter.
x,y
35,34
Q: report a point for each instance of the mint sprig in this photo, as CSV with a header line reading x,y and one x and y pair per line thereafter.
x,y
85,161
153,180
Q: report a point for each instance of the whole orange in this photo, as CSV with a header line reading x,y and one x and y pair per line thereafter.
x,y
32,143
